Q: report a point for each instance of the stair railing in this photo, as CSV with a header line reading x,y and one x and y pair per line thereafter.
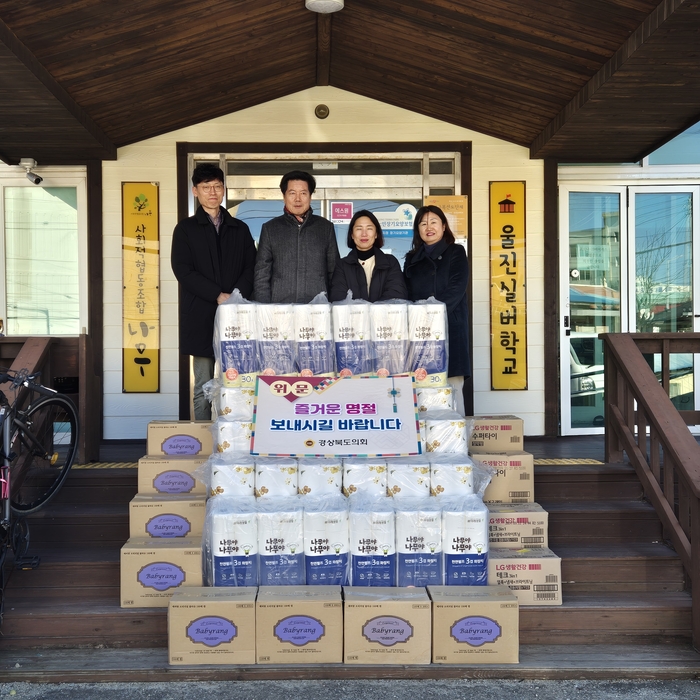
x,y
641,420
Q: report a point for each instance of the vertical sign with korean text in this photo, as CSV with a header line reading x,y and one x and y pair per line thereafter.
x,y
508,291
141,296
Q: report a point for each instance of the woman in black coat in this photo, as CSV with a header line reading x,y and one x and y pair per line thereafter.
x,y
437,267
369,272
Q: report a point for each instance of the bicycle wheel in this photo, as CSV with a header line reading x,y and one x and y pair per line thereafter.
x,y
44,445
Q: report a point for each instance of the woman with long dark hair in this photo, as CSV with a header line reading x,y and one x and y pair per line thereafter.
x,y
437,267
369,272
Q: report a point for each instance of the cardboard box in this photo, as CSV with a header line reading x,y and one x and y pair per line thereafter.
x,y
153,569
184,437
387,625
474,625
299,625
496,433
514,526
514,480
167,516
167,475
534,575
212,626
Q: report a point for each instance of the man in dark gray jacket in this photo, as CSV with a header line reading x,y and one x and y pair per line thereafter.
x,y
297,251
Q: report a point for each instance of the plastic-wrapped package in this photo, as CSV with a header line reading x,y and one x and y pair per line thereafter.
x,y
231,474
231,435
419,542
235,342
409,477
313,333
231,542
422,433
276,339
326,541
445,431
427,335
232,403
465,541
364,477
458,475
320,477
451,474
352,337
281,541
434,399
372,542
276,477
389,327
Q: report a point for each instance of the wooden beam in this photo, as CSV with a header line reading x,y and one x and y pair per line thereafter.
x,y
551,298
323,49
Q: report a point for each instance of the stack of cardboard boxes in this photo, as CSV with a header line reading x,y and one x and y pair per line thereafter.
x,y
519,556
166,517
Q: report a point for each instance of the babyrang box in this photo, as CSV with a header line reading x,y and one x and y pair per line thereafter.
x,y
474,625
153,569
166,516
167,475
212,626
514,526
387,625
496,433
188,438
534,575
514,480
299,625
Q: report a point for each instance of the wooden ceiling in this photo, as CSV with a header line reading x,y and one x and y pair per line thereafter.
x,y
574,80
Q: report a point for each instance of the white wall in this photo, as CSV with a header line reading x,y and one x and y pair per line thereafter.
x,y
291,119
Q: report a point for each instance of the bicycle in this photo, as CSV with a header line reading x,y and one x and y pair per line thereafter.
x,y
39,446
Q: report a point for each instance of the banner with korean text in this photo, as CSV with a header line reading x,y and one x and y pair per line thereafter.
x,y
456,209
338,417
141,296
508,286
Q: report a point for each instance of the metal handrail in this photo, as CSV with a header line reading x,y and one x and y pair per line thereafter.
x,y
641,421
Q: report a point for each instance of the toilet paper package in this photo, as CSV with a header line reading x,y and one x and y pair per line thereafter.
x,y
389,330
235,342
451,475
231,542
423,438
364,477
232,475
434,399
465,541
352,337
427,336
372,542
326,541
276,477
314,338
446,431
320,477
276,347
230,436
230,403
419,542
281,541
408,477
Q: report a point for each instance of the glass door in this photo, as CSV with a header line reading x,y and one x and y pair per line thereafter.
x,y
629,263
663,274
593,236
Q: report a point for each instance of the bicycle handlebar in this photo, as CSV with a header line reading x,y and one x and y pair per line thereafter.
x,y
23,378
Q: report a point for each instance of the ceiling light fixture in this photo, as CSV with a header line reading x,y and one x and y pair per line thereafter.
x,y
325,6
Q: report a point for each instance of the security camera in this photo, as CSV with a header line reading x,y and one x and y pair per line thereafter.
x,y
28,164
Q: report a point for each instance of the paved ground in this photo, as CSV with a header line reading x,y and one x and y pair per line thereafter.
x,y
360,690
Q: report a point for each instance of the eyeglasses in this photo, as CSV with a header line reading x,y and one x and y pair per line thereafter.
x,y
211,188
